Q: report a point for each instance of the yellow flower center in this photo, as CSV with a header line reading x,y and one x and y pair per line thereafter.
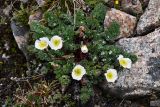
x,y
42,44
123,62
77,72
116,2
109,75
56,42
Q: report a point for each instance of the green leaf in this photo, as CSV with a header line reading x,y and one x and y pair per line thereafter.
x,y
39,28
133,57
92,23
64,80
65,67
85,94
40,54
99,12
80,18
93,3
112,31
51,19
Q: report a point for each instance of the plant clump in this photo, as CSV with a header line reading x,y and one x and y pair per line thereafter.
x,y
78,50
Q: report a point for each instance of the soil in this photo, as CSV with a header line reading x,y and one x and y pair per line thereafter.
x,y
12,62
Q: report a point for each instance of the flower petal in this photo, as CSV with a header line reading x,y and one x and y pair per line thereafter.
x,y
56,42
84,49
42,43
45,39
129,63
124,62
111,75
78,72
120,56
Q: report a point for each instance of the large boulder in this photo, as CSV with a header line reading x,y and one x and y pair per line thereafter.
x,y
150,19
126,21
144,76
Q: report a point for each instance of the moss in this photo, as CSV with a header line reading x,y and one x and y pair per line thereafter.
x,y
22,17
3,20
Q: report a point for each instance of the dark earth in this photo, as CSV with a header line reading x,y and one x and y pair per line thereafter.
x,y
12,62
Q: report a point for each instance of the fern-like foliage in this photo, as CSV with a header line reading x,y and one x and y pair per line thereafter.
x,y
88,29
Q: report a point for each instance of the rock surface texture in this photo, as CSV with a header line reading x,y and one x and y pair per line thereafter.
x,y
132,6
37,16
21,35
150,19
144,2
126,21
40,2
144,76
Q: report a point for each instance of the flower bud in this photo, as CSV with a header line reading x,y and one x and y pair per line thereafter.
x,y
84,49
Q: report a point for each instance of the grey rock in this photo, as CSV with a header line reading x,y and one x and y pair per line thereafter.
x,y
7,10
40,2
35,17
144,76
132,6
155,103
24,1
150,19
127,22
21,35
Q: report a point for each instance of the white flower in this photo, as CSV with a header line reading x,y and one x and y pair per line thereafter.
x,y
42,43
124,62
78,72
111,75
84,49
56,42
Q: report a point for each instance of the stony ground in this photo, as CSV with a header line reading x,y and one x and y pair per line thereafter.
x,y
12,62
140,34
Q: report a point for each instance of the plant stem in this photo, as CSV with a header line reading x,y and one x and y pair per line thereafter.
x,y
74,14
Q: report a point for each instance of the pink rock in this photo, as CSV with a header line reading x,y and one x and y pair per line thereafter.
x,y
127,22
